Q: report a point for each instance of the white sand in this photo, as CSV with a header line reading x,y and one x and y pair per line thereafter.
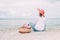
x,y
15,35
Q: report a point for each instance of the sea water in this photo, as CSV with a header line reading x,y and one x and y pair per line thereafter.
x,y
18,22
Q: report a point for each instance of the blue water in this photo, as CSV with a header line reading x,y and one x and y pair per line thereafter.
x,y
18,22
52,22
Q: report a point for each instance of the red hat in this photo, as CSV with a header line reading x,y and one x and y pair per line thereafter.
x,y
41,11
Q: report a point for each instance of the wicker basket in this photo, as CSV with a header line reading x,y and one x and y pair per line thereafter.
x,y
24,30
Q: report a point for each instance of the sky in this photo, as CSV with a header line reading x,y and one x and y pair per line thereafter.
x,y
28,8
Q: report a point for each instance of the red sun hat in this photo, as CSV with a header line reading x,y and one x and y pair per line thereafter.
x,y
41,11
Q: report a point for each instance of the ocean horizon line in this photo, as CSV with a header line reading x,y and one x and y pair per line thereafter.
x,y
25,18
16,18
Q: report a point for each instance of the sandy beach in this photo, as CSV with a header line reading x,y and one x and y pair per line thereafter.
x,y
13,34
